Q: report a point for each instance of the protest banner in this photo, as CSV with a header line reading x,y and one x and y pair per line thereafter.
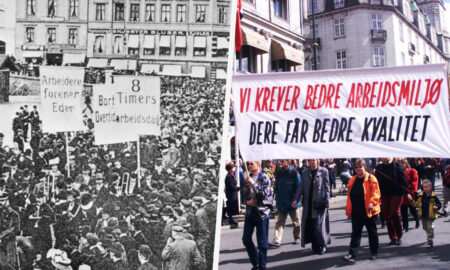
x,y
370,112
126,109
61,98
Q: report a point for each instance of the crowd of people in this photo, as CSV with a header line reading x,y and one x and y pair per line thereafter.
x,y
386,188
92,207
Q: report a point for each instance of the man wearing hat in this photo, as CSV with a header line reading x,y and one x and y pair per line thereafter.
x,y
201,231
101,191
19,139
181,253
9,228
144,254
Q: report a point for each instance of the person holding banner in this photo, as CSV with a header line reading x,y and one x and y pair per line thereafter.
x,y
314,191
259,201
393,186
363,207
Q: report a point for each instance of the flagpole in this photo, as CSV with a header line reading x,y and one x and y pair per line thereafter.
x,y
67,153
138,144
236,153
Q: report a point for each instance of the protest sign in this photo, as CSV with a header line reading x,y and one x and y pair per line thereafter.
x,y
371,112
126,109
61,98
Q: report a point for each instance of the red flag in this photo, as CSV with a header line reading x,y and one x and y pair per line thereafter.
x,y
238,32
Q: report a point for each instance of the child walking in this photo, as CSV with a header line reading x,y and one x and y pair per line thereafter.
x,y
428,205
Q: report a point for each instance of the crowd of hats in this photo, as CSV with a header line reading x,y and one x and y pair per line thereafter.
x,y
179,172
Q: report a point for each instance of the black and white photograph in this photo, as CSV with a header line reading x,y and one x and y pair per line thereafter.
x,y
111,115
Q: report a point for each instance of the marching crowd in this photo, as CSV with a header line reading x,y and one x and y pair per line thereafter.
x,y
93,209
386,188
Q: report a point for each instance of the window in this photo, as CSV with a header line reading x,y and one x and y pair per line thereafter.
x,y
339,30
314,4
378,56
99,45
150,12
149,51
73,36
51,8
338,3
281,65
100,12
223,10
246,59
165,13
401,32
199,45
119,14
73,8
341,60
165,45
181,13
134,12
280,8
200,13
2,47
118,45
29,34
377,22
51,35
31,7
133,51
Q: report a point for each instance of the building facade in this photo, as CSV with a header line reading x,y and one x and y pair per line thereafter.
x,y
7,23
373,33
51,31
272,35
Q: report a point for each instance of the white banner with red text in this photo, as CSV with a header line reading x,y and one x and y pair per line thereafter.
x,y
368,112
127,108
61,98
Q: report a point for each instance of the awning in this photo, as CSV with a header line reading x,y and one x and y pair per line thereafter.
x,y
133,41
164,41
222,43
150,68
33,54
171,70
180,42
199,42
73,58
149,42
123,64
221,74
198,72
284,51
97,62
255,40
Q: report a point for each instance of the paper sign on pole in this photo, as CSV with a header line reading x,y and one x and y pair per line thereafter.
x,y
126,109
61,98
371,112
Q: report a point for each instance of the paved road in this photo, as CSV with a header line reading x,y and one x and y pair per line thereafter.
x,y
412,254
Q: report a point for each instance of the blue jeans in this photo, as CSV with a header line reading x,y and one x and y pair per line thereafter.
x,y
258,257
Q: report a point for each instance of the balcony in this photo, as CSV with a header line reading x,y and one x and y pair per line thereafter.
x,y
378,35
412,48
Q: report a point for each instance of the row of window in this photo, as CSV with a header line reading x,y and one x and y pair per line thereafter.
x,y
74,6
339,25
165,46
51,35
378,58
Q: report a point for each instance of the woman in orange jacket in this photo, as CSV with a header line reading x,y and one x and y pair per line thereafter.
x,y
363,207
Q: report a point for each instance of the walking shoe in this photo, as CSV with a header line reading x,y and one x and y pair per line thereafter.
x,y
296,241
398,242
234,226
274,244
373,257
417,224
393,242
430,244
350,258
322,250
405,229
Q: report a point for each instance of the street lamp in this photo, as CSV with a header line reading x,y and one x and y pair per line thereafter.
x,y
314,44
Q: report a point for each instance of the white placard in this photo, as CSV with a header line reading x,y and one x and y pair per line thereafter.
x,y
371,112
126,109
61,98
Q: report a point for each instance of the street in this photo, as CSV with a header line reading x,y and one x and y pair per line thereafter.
x,y
412,254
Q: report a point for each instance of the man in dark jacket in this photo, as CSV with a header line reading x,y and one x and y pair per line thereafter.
x,y
393,186
285,188
231,191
